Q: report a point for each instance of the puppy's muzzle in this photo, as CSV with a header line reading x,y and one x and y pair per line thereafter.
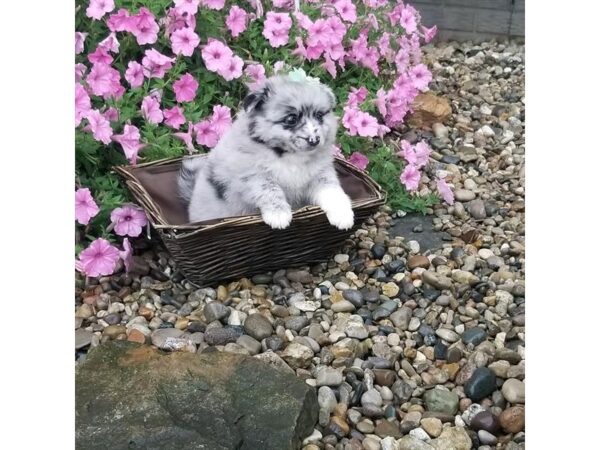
x,y
313,141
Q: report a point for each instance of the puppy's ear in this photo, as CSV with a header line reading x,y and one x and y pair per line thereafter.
x,y
330,95
255,100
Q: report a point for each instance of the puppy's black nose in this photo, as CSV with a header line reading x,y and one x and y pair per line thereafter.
x,y
314,141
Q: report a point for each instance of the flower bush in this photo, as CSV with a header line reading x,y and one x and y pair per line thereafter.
x,y
163,78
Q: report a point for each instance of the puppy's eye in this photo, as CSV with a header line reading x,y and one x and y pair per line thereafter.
x,y
291,119
319,115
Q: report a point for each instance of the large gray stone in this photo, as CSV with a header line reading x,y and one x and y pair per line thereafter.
x,y
130,396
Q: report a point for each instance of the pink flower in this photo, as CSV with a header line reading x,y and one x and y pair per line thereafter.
x,y
134,74
128,220
177,19
429,34
420,77
358,160
100,55
416,156
187,138
151,110
206,134
187,6
121,21
408,19
236,20
445,191
349,117
380,101
184,41
221,119
126,255
303,20
130,142
174,117
111,114
85,206
256,72
98,8
276,28
99,126
214,4
365,124
329,66
357,96
233,69
216,56
346,9
83,104
300,49
80,70
100,258
402,60
79,40
156,65
103,80
110,43
319,33
145,29
410,177
185,88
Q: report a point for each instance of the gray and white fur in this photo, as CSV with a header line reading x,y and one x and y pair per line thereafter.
x,y
276,157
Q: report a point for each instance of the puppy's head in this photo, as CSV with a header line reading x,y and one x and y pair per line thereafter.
x,y
292,116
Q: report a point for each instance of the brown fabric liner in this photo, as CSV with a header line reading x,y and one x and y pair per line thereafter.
x,y
161,184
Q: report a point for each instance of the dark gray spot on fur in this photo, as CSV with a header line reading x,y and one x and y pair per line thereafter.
x,y
219,186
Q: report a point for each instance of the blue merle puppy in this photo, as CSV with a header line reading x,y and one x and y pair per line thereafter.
x,y
276,157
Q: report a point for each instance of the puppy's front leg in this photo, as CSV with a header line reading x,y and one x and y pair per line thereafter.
x,y
329,195
270,199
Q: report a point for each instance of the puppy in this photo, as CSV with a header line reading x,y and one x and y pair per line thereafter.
x,y
276,157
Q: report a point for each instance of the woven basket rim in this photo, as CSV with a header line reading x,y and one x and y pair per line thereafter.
x,y
160,223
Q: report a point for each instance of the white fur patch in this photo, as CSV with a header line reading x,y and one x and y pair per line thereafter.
x,y
337,206
277,219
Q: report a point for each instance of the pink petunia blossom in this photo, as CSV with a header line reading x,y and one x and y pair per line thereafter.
x,y
445,191
319,33
410,177
358,160
221,119
348,119
174,117
111,114
99,259
110,43
130,142
126,255
187,138
329,66
185,88
233,69
128,220
417,155
145,29
216,55
103,80
303,20
176,19
382,130
408,19
151,110
121,21
98,8
420,77
134,74
283,3
206,134
357,96
429,33
79,40
80,70
236,20
337,29
300,49
100,127
380,101
83,104
314,51
346,9
85,206
365,124
276,28
100,56
402,60
156,65
187,6
213,4
184,41
256,72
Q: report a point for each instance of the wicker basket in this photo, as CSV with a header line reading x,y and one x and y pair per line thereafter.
x,y
234,247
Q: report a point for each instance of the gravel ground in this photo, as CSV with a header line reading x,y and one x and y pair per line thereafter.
x,y
409,347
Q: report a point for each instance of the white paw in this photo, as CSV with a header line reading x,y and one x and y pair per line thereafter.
x,y
341,217
277,219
